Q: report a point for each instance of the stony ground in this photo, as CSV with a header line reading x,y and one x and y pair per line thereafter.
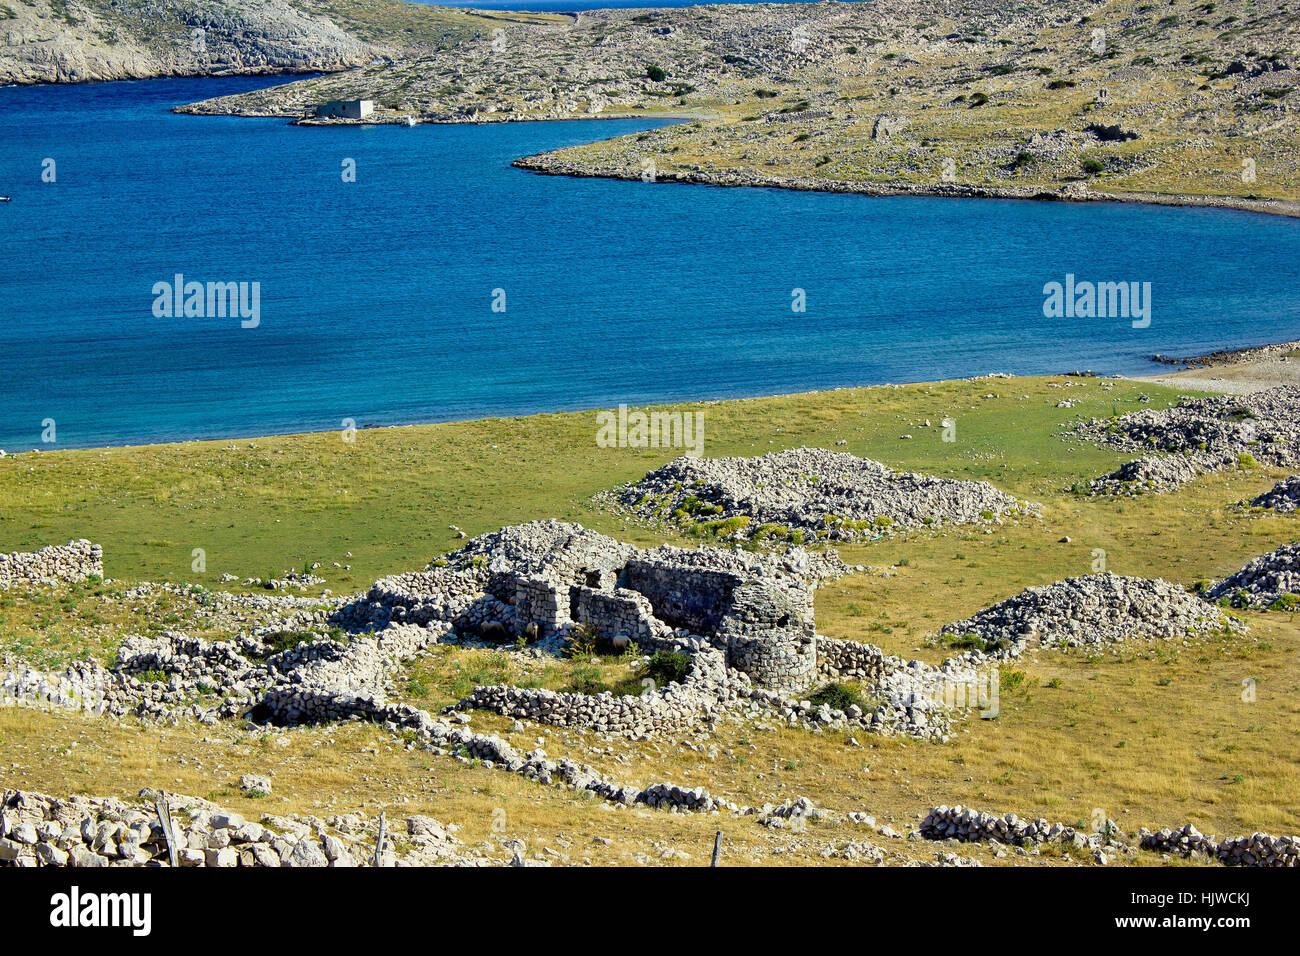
x,y
1236,371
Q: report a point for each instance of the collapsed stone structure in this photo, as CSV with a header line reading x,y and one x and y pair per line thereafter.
x,y
543,580
1270,581
1197,436
805,493
744,621
71,563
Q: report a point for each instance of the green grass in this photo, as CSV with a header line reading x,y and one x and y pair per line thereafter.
x,y
390,496
445,674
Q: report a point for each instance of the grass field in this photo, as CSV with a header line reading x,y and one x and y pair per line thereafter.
x,y
1152,735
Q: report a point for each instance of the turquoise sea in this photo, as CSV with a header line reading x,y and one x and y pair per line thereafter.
x,y
376,297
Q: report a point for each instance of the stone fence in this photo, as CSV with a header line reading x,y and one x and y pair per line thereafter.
x,y
38,830
1258,849
964,823
70,563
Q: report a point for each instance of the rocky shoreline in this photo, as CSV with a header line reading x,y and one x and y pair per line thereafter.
x,y
551,165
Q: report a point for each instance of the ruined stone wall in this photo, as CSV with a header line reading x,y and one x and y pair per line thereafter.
x,y
350,683
38,830
850,660
620,615
657,710
69,563
688,597
541,602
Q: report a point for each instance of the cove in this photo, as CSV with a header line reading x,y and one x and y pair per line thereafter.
x,y
376,296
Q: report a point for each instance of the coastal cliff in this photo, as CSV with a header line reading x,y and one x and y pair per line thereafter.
x,y
1185,102
77,41
84,40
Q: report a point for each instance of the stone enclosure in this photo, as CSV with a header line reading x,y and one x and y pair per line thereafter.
x,y
543,580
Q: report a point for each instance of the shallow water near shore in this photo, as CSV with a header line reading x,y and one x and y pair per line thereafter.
x,y
376,296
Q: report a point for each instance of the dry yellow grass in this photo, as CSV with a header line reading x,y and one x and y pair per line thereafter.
x,y
1152,735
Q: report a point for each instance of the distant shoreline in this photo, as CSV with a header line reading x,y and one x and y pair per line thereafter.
x,y
592,410
1235,371
547,164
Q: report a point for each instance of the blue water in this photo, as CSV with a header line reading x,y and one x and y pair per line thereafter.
x,y
376,296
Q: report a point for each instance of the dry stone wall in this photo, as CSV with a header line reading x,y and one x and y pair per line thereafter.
x,y
39,830
964,823
70,563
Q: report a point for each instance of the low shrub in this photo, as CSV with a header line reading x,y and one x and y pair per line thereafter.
x,y
668,667
838,697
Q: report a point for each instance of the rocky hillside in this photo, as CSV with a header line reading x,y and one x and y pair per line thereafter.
x,y
72,41
1122,98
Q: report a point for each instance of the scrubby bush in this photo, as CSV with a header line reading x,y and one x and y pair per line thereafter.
x,y
838,697
668,667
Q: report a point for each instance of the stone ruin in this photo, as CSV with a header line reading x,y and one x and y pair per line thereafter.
x,y
744,619
1195,437
544,580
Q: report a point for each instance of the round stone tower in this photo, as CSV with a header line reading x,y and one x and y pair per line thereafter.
x,y
768,634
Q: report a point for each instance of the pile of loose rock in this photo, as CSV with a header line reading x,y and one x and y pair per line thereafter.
x,y
1258,849
805,494
73,562
1084,611
1283,497
38,830
1270,581
1198,436
1155,474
